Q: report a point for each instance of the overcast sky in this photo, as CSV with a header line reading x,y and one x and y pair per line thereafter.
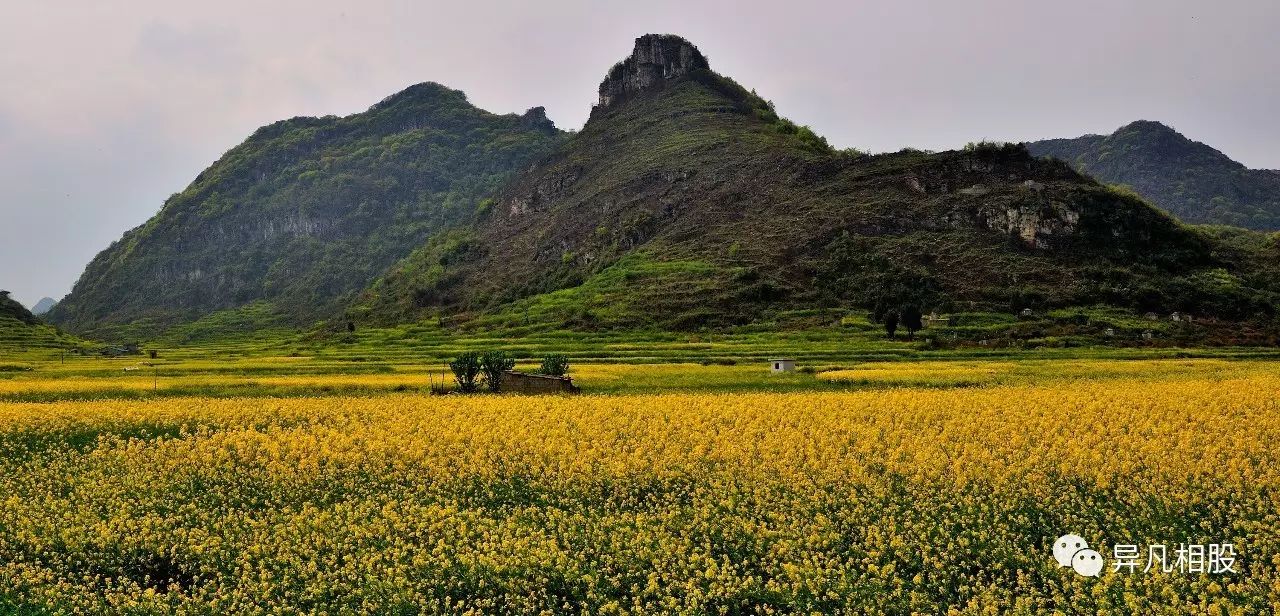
x,y
106,108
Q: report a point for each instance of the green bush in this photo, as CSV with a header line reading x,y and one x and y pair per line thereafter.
x,y
466,368
554,365
494,363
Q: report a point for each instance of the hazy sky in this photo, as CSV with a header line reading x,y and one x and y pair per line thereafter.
x,y
106,108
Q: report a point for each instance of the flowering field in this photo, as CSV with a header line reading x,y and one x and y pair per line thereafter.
x,y
953,373
895,500
97,378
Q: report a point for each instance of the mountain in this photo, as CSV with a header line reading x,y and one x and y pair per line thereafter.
x,y
22,332
1191,180
687,202
13,310
43,306
290,225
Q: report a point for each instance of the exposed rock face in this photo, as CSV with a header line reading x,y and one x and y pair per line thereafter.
x,y
655,59
536,118
544,190
1034,224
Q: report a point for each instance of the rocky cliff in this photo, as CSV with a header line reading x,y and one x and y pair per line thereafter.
x,y
655,60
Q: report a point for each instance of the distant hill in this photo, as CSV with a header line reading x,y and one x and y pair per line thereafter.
x,y
290,225
13,309
1191,180
22,332
687,202
44,305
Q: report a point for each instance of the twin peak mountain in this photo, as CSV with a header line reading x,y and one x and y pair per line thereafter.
x,y
685,202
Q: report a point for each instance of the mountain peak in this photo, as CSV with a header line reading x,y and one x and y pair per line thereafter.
x,y
1147,126
43,306
1192,180
655,59
427,92
1153,132
1163,141
536,118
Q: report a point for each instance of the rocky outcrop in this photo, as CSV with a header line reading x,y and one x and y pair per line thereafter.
x,y
536,118
656,59
543,190
1035,224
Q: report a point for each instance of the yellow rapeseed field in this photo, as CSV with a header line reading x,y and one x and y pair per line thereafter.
x,y
890,501
951,373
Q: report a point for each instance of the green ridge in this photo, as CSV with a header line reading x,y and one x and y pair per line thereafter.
x,y
1191,180
304,214
700,177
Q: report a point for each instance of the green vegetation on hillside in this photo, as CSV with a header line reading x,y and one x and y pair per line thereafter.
x,y
693,205
305,213
686,203
1191,180
12,309
22,334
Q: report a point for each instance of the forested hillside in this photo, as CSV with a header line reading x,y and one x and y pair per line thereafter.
x,y
687,202
1191,180
291,224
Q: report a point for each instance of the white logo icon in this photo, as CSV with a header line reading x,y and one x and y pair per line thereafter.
x,y
1087,563
1073,551
1066,547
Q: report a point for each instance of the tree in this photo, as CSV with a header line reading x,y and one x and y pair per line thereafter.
x,y
466,368
912,320
554,365
890,323
494,364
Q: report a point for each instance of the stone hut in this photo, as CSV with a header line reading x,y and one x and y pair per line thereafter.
x,y
524,383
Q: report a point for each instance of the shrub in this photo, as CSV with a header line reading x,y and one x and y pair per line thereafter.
x,y
554,365
890,323
812,140
912,319
466,368
494,363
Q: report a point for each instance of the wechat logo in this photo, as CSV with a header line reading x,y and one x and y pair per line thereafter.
x,y
1073,551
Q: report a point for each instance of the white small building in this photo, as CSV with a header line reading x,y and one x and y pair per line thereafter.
x,y
782,364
